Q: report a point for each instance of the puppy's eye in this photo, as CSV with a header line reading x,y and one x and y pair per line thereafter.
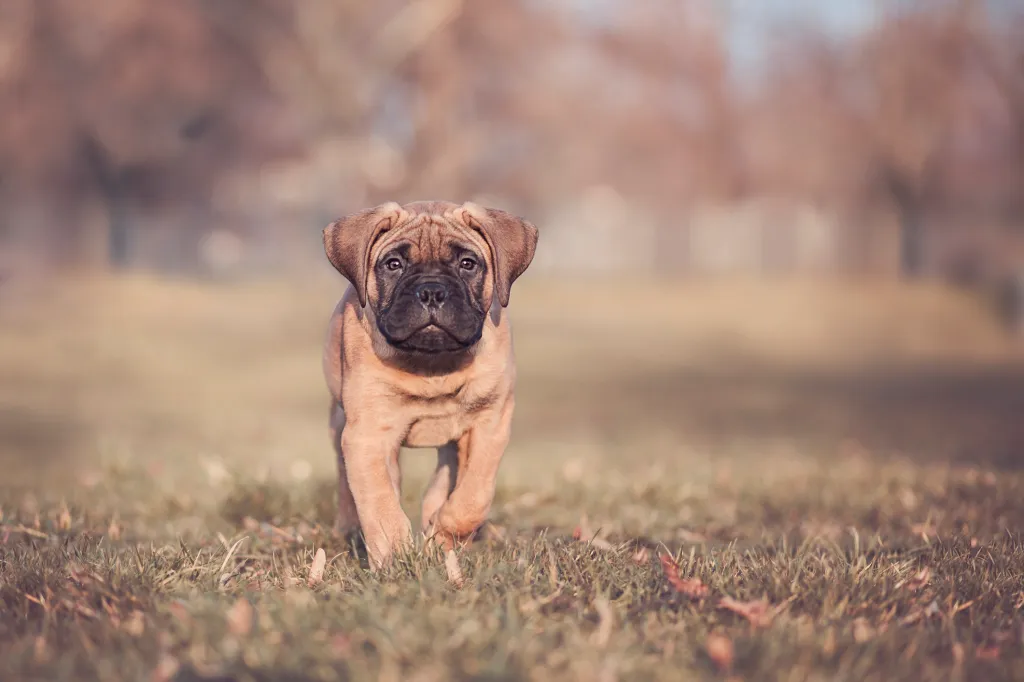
x,y
467,264
393,264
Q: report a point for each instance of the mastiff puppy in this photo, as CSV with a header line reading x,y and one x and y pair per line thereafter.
x,y
419,354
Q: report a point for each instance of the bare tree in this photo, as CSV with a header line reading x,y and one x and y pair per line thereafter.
x,y
138,104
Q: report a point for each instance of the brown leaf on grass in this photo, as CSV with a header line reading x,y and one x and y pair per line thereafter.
x,y
862,630
926,530
920,579
135,624
584,533
240,618
691,587
451,567
986,653
180,613
341,646
828,646
606,623
316,570
64,518
759,612
166,669
720,651
40,652
690,536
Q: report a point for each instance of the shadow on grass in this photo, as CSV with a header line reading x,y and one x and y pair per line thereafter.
x,y
931,414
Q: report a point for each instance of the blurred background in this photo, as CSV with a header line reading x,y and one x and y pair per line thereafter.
x,y
770,228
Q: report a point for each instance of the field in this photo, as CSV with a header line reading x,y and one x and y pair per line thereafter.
x,y
794,480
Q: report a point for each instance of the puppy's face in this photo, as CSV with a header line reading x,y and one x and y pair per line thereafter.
x,y
429,286
429,271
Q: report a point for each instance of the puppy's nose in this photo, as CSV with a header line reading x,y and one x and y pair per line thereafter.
x,y
432,294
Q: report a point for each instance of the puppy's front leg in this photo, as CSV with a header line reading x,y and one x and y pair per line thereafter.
x,y
479,456
371,466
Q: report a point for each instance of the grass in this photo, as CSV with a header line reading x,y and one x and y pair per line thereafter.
x,y
750,481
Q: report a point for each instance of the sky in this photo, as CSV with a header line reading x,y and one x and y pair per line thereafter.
x,y
752,23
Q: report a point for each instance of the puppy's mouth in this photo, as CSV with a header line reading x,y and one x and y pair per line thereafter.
x,y
430,339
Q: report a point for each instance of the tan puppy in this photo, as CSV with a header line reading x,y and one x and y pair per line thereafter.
x,y
419,353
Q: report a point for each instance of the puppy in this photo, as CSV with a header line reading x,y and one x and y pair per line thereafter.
x,y
419,354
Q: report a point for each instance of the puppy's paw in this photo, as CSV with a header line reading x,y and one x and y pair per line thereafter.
x,y
385,540
436,537
448,528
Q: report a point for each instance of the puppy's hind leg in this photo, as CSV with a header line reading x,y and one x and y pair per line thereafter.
x,y
347,520
441,484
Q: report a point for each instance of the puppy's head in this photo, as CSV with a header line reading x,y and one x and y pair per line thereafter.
x,y
429,271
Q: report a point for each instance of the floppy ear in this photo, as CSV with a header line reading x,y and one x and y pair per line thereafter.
x,y
347,242
512,240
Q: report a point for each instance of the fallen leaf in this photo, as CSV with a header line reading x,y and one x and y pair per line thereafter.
x,y
986,653
584,533
913,617
862,630
341,646
316,570
641,556
240,618
920,579
64,518
759,613
691,536
828,647
451,567
691,587
40,651
573,470
605,623
720,650
926,530
166,669
135,624
180,613
552,570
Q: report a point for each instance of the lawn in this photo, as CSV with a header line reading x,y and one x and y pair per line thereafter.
x,y
712,480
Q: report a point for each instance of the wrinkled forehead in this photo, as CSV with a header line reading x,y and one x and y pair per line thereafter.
x,y
431,237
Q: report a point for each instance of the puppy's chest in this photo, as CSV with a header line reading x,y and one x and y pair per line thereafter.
x,y
439,420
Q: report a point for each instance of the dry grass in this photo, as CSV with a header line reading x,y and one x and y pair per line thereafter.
x,y
794,481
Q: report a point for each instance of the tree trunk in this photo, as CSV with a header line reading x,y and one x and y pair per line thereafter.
x,y
911,242
108,182
907,198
